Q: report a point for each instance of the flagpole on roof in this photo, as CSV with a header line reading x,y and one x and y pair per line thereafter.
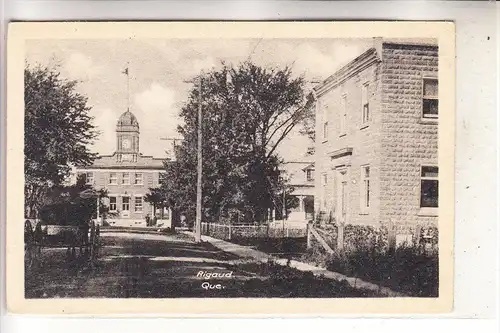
x,y
128,86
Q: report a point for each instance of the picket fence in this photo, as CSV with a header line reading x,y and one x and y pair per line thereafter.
x,y
274,230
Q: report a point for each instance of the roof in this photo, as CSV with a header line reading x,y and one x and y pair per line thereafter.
x,y
110,162
127,119
361,62
366,59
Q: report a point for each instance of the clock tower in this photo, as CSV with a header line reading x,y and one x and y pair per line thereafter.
x,y
127,138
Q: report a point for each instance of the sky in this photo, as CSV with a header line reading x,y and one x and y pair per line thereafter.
x,y
159,69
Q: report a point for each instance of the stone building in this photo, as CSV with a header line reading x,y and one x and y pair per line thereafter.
x,y
377,139
127,175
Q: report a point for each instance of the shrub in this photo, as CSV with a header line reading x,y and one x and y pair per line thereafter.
x,y
410,270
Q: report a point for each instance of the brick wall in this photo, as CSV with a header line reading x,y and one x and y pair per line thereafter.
x,y
150,179
407,141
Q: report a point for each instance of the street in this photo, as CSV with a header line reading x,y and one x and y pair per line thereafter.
x,y
133,265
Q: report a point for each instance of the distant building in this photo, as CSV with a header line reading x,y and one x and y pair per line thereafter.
x,y
127,175
377,139
300,175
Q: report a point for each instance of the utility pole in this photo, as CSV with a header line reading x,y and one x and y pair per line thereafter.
x,y
197,226
174,141
197,233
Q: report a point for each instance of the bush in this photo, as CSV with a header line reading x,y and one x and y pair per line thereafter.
x,y
410,270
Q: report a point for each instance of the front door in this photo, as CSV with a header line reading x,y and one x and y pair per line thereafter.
x,y
125,206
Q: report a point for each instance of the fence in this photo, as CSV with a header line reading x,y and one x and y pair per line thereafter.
x,y
274,230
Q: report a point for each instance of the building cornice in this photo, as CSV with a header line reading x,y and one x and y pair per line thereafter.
x,y
354,67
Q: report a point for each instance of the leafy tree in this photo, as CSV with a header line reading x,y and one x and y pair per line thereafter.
x,y
309,122
247,112
158,199
58,131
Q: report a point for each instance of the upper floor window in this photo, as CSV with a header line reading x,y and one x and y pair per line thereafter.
x,y
309,175
138,179
113,178
325,179
430,104
365,103
325,121
343,114
89,178
126,178
429,185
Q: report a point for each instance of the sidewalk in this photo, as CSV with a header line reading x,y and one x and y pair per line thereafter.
x,y
249,253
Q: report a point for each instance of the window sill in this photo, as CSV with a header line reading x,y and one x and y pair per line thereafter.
x,y
342,135
428,211
429,121
324,141
364,213
364,126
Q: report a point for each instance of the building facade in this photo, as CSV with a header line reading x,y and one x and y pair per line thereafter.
x,y
127,175
377,139
300,175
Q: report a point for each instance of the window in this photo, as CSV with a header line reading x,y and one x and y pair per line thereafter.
x,y
89,178
325,179
366,103
126,178
138,179
325,130
113,179
365,187
112,204
429,186
430,103
309,175
138,204
162,177
126,203
343,114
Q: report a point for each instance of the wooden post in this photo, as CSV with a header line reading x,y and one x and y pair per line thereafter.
x,y
340,236
308,235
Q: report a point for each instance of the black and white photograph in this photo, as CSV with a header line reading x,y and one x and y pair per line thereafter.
x,y
240,167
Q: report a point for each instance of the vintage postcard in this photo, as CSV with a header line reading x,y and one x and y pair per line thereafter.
x,y
230,168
